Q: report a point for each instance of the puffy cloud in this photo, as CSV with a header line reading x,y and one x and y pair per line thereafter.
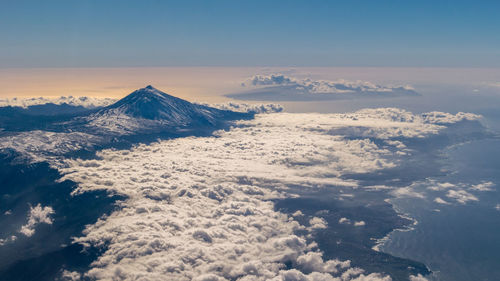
x,y
295,275
4,241
439,186
458,191
320,86
245,107
313,262
200,206
359,223
439,200
70,276
484,186
348,221
318,223
354,275
281,87
36,216
436,117
461,196
308,149
88,102
381,123
418,277
407,192
298,213
268,80
344,220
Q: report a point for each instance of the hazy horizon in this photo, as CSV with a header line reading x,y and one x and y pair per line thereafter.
x,y
209,84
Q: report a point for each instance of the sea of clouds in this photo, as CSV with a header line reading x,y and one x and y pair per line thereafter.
x,y
200,208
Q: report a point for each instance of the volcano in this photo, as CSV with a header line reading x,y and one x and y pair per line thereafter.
x,y
153,104
149,108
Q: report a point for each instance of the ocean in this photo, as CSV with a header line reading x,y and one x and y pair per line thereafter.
x,y
458,242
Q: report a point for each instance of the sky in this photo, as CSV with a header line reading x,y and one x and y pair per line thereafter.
x,y
149,33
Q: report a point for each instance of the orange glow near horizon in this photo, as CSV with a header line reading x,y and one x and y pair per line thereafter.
x,y
202,84
195,84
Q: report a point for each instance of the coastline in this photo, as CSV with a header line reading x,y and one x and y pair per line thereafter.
x,y
381,242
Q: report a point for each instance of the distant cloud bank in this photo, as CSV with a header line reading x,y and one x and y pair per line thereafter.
x,y
280,87
87,102
251,108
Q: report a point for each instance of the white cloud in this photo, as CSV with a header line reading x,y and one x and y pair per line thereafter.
x,y
36,216
418,277
276,87
216,191
318,223
339,86
298,213
497,207
359,223
70,276
407,192
439,186
245,107
344,220
381,123
352,274
439,200
4,241
484,186
461,196
436,117
88,102
443,186
313,262
200,206
458,191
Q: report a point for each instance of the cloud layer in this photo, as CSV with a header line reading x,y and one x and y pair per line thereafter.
x,y
251,108
199,208
281,87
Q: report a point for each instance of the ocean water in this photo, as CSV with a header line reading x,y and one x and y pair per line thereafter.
x,y
458,242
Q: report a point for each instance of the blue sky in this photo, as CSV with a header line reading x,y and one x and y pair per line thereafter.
x,y
96,33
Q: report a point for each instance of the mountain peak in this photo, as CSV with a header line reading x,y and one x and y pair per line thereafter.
x,y
153,104
149,109
148,90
